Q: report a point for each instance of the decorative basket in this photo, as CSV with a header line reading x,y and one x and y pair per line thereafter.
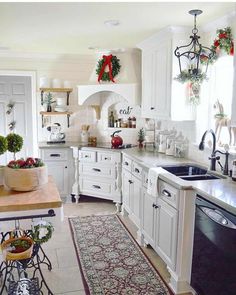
x,y
29,179
17,256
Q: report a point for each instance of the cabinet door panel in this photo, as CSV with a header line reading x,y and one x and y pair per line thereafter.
x,y
166,238
135,199
126,178
59,171
148,217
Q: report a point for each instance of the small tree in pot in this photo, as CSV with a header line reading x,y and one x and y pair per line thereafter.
x,y
3,144
14,143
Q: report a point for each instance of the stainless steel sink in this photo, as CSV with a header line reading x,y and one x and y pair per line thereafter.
x,y
190,172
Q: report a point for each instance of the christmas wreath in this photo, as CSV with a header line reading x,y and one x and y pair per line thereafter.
x,y
42,232
113,64
223,42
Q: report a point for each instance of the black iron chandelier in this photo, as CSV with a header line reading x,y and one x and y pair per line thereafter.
x,y
193,56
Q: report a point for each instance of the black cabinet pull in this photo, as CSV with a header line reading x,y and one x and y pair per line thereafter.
x,y
152,108
166,193
137,170
86,156
155,206
126,163
96,186
97,170
66,167
130,181
55,155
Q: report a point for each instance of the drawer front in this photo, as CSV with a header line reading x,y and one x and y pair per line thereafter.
x,y
145,178
89,185
103,157
137,170
87,156
127,163
168,193
54,154
94,169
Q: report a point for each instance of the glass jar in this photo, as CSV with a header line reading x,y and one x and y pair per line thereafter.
x,y
180,149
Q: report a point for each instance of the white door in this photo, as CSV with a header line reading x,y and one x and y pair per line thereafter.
x,y
17,90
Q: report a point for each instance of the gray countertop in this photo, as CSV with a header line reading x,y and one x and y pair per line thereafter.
x,y
219,191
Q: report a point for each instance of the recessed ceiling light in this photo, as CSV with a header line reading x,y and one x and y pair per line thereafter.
x,y
93,47
112,22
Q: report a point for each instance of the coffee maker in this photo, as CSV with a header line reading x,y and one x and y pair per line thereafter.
x,y
56,136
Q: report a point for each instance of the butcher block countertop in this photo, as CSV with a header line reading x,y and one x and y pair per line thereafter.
x,y
46,197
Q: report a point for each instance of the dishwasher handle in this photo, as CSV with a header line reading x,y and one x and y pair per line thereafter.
x,y
217,217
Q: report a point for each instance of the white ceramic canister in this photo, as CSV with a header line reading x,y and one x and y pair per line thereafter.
x,y
162,145
84,136
44,82
56,83
170,146
67,84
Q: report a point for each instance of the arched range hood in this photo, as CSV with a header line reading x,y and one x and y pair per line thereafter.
x,y
127,82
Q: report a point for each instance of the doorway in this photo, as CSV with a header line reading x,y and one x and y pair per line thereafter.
x,y
18,111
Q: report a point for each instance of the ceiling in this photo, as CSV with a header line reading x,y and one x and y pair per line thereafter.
x,y
73,27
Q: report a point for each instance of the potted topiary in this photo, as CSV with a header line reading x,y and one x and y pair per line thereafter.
x,y
14,143
3,149
48,100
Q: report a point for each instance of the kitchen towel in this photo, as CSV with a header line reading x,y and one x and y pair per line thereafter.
x,y
153,175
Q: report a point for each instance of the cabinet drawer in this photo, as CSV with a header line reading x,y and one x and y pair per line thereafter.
x,y
98,170
108,157
168,193
127,163
89,185
137,170
87,156
54,154
145,179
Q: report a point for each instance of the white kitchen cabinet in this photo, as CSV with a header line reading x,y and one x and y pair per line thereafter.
x,y
162,97
60,166
131,190
148,218
166,232
159,221
99,174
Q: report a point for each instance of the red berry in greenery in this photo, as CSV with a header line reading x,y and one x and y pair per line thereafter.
x,y
20,163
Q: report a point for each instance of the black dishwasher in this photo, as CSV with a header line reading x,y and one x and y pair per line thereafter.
x,y
214,250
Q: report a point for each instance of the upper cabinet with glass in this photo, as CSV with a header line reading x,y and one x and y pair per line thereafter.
x,y
162,96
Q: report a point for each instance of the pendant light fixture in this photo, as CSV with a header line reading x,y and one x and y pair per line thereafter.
x,y
193,56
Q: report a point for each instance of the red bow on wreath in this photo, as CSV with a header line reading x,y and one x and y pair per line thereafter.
x,y
107,62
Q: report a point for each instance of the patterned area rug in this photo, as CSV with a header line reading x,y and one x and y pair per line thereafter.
x,y
111,261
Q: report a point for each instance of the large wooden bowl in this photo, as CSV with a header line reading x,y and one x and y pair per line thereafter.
x,y
25,179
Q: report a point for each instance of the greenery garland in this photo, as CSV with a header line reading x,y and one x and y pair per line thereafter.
x,y
223,42
187,76
115,63
36,232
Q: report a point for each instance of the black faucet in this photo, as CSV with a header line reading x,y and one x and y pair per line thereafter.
x,y
213,157
225,169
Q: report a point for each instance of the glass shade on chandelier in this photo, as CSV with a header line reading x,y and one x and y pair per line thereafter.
x,y
194,57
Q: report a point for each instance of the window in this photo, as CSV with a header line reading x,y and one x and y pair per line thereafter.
x,y
221,87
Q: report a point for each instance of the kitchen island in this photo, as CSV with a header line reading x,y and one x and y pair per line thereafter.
x,y
38,202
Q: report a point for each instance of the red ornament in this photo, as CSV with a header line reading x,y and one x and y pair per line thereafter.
x,y
232,49
216,43
107,62
223,36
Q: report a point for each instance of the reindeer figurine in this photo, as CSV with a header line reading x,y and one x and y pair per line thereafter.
x,y
222,120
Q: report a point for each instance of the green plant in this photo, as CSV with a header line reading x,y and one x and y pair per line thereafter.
x,y
3,145
141,135
48,100
14,143
47,230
